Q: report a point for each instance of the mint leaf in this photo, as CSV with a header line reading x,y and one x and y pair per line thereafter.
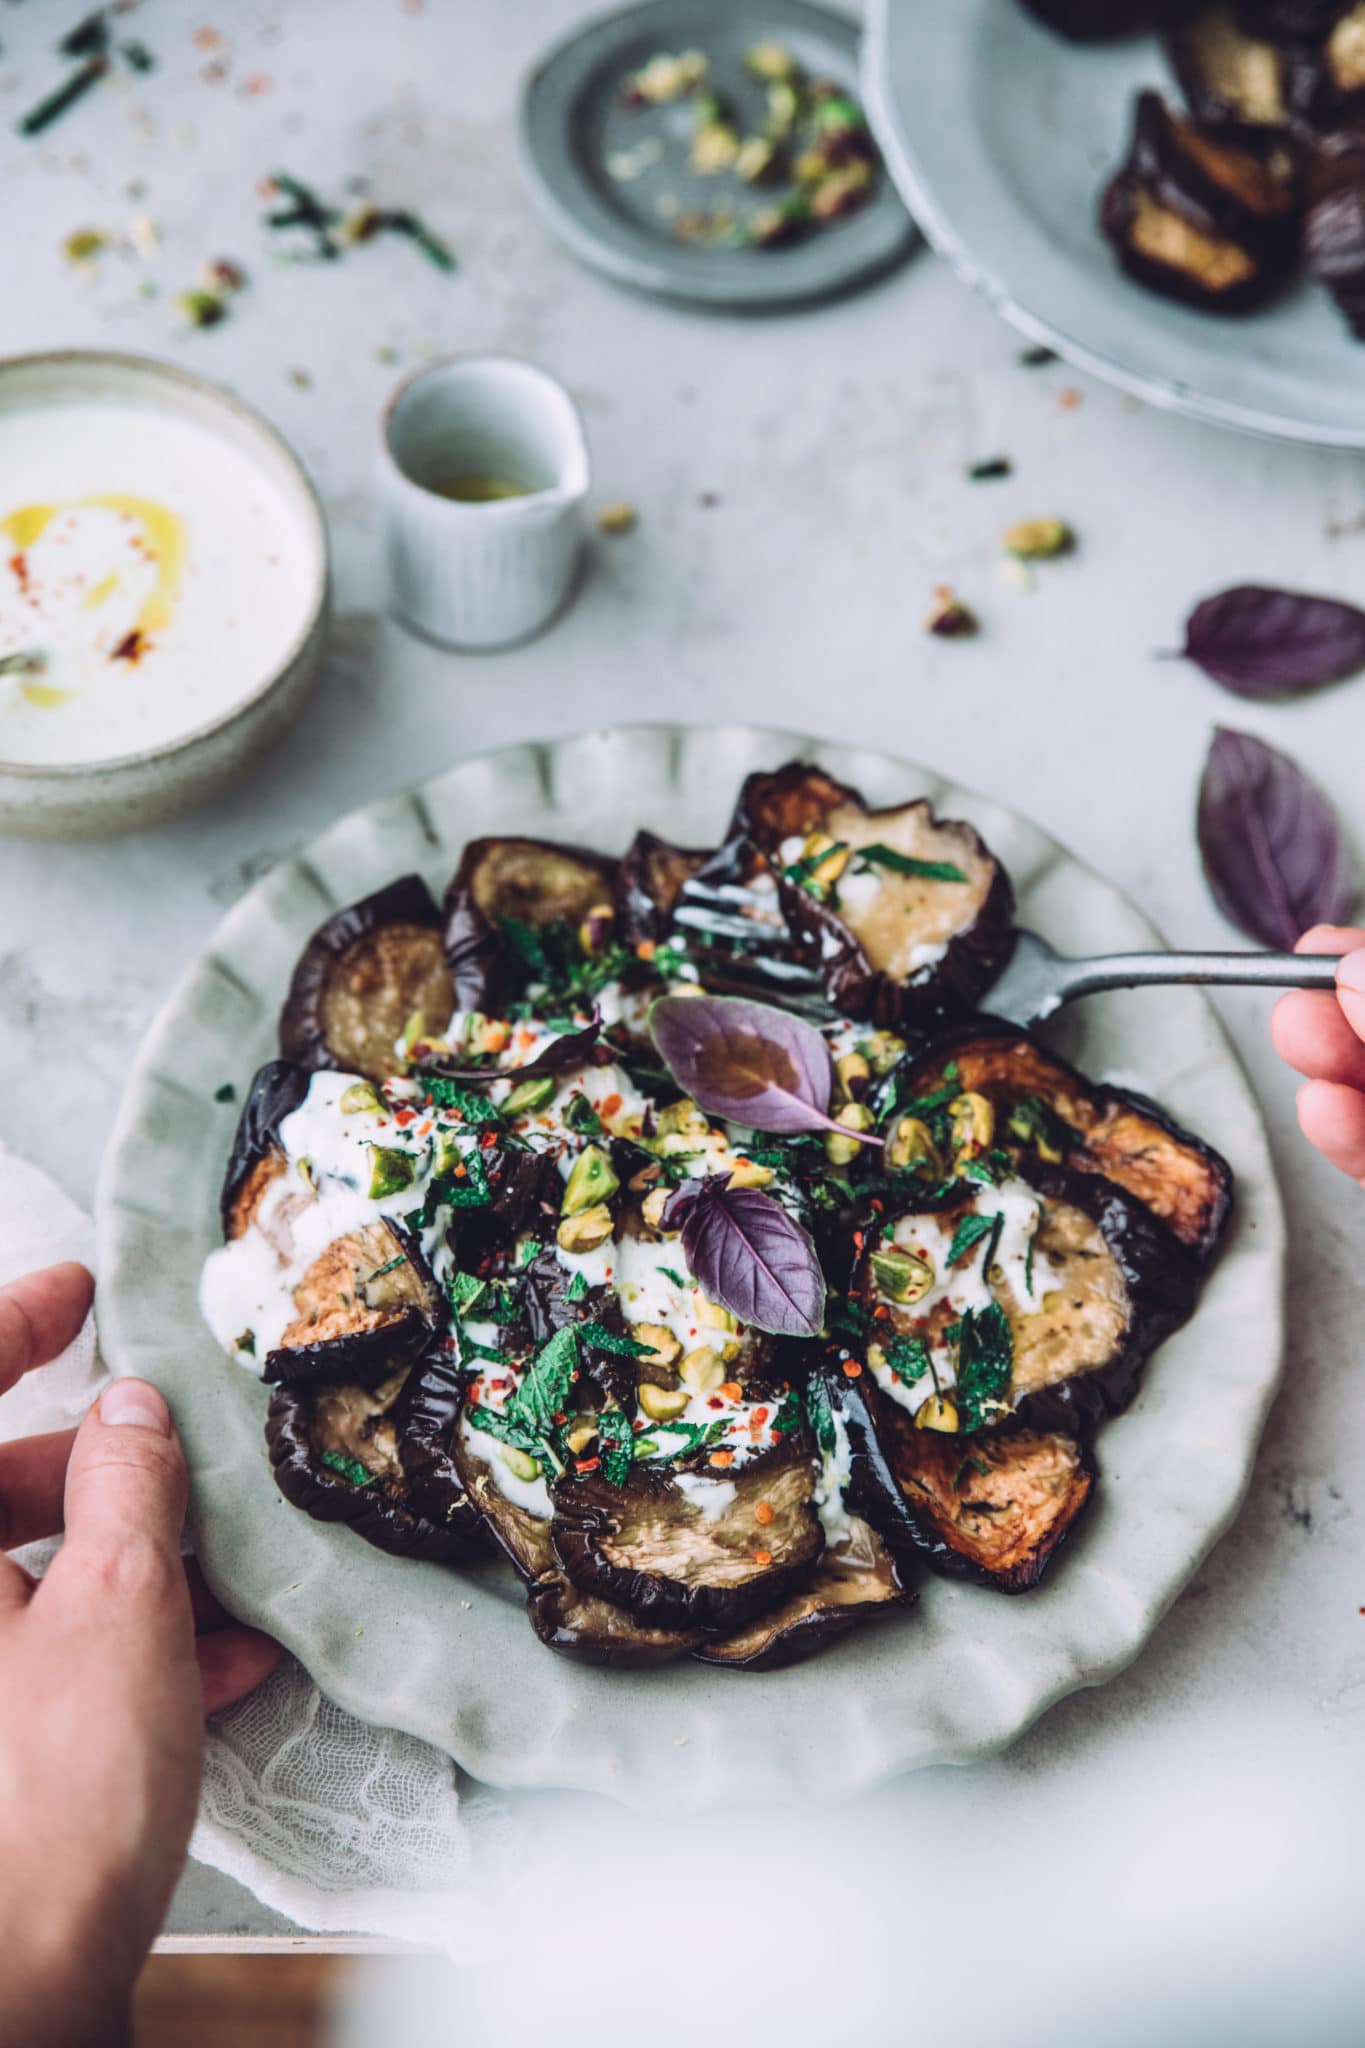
x,y
602,1339
985,1360
349,1468
618,1445
466,1293
908,1358
821,1415
672,1273
544,1388
577,1289
475,1109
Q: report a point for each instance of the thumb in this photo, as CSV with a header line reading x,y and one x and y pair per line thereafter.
x,y
1351,989
126,1489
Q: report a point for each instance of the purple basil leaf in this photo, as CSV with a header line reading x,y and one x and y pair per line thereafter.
x,y
747,1061
1273,643
1271,848
753,1258
570,1049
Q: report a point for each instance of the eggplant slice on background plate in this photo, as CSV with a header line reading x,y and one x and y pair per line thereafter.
x,y
362,979
907,917
1201,216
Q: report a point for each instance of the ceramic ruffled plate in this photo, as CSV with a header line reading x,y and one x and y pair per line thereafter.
x,y
449,1656
1000,135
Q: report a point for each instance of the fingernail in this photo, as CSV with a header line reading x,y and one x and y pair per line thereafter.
x,y
136,1402
1351,972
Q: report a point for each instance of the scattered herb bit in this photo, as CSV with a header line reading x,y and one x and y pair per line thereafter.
x,y
137,56
349,1468
969,1233
1038,540
545,1384
904,864
988,472
466,1293
474,1109
1037,1123
1264,643
580,1116
30,661
65,96
600,1338
949,618
820,1414
672,1440
970,1464
985,1359
368,221
672,1273
303,210
89,37
619,517
226,1092
1272,851
909,1358
1035,358
618,1445
577,1289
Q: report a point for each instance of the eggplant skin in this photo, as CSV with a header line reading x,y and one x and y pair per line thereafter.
x,y
645,1547
361,977
922,1492
796,800
1204,218
1105,21
856,1582
374,1512
256,1156
591,1631
648,885
426,1417
1123,1137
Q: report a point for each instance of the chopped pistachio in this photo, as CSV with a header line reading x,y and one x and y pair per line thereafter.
x,y
949,618
618,517
201,309
755,159
1037,540
715,148
772,61
841,1150
585,1232
667,76
938,1412
663,1404
84,245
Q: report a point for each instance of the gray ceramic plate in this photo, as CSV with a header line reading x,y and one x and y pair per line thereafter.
x,y
1000,136
451,1657
573,126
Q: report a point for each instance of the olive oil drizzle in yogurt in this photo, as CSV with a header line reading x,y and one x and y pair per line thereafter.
x,y
162,535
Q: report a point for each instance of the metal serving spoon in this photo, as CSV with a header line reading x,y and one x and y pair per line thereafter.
x,y
1036,984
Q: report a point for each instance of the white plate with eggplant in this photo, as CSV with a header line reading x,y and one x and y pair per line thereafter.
x,y
1169,193
634,1379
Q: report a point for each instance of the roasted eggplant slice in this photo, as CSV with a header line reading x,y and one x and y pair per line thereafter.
x,y
1086,1279
257,1158
505,889
993,1508
591,1631
1038,1107
648,885
426,1418
1336,225
855,1581
365,1307
908,917
1200,217
363,977
334,1451
692,1551
1105,21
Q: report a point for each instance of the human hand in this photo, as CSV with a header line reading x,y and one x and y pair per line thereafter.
x,y
1323,1036
103,1688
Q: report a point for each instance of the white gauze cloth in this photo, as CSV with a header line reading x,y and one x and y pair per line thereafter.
x,y
343,1827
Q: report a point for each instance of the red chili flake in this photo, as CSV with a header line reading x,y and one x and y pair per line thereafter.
x,y
715,1402
131,648
857,1240
881,1312
403,1116
461,1171
489,1139
561,1418
1068,399
759,1417
18,562
206,39
586,1464
852,1369
763,1557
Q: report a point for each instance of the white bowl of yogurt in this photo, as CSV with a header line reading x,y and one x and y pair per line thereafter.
x,y
163,591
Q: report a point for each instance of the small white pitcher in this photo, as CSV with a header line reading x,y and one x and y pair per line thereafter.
x,y
485,574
